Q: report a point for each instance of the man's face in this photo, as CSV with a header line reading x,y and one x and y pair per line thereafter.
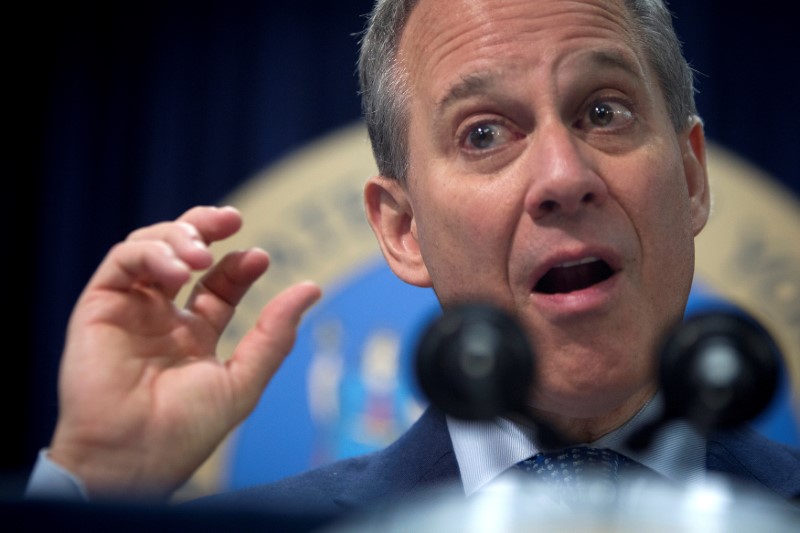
x,y
545,177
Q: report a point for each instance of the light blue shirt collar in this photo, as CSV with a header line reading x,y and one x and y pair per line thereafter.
x,y
485,450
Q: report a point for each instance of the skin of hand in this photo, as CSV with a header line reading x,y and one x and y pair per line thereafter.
x,y
143,398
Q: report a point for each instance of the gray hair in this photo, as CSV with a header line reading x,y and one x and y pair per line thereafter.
x,y
384,88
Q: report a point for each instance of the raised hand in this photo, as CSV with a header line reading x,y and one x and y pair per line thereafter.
x,y
143,398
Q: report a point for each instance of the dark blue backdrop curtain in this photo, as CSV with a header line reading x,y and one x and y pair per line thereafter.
x,y
132,112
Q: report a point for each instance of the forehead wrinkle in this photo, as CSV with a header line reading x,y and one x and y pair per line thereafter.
x,y
426,43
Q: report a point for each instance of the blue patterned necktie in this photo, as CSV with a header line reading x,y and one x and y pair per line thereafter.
x,y
572,473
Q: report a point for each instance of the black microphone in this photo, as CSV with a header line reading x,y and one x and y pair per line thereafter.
x,y
716,370
474,362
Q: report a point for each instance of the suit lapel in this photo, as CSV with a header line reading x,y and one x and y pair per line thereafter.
x,y
421,459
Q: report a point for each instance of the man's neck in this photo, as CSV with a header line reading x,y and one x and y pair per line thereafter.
x,y
577,429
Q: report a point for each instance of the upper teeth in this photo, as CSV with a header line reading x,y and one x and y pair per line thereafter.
x,y
578,262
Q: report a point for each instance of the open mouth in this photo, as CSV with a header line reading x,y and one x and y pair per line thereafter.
x,y
574,276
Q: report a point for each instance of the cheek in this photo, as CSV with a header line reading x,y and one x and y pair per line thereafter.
x,y
666,235
656,196
464,232
672,212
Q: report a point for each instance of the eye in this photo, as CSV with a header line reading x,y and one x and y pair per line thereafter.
x,y
608,115
485,136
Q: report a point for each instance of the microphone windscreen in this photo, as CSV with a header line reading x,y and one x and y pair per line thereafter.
x,y
474,362
718,369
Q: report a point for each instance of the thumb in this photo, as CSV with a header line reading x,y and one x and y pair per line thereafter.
x,y
262,351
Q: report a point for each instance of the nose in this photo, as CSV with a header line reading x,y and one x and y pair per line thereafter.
x,y
562,179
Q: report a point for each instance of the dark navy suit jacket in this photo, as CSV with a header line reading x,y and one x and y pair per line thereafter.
x,y
423,458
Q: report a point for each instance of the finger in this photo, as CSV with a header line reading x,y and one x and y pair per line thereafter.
x,y
149,263
213,223
190,234
220,290
182,237
210,223
264,348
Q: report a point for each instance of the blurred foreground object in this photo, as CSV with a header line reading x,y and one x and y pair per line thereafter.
x,y
637,505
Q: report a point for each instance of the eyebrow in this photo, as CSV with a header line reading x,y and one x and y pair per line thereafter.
x,y
482,82
469,85
614,59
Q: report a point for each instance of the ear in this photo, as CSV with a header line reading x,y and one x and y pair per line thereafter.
x,y
391,216
693,148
